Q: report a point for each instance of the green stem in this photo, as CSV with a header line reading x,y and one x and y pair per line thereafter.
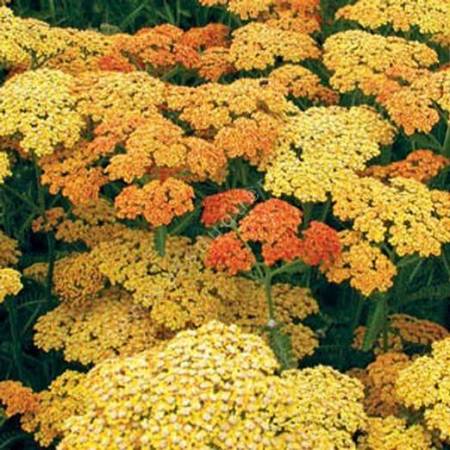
x,y
15,337
22,197
269,298
446,145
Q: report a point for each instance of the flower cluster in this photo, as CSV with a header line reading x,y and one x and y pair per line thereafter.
x,y
10,283
430,16
361,60
403,212
17,398
424,385
320,146
420,165
213,386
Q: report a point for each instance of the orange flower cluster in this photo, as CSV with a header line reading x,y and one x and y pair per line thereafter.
x,y
163,47
219,208
228,253
320,245
420,165
275,225
158,202
17,398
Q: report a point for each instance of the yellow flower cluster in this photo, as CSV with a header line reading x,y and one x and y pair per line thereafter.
x,y
393,433
413,107
41,121
425,385
213,388
64,397
10,283
258,46
403,212
90,223
245,9
5,167
9,252
361,60
429,16
106,96
366,267
320,146
76,278
27,42
104,327
299,81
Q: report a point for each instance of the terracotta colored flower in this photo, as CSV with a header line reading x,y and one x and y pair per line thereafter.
x,y
269,221
228,253
223,206
287,248
320,244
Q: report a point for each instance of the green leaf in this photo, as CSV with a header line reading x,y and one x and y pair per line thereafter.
x,y
377,321
282,347
160,240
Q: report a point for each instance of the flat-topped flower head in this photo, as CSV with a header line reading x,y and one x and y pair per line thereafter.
x,y
222,207
40,122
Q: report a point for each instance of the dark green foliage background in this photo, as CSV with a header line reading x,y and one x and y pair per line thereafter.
x,y
422,288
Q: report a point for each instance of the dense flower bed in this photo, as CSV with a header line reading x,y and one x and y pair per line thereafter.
x,y
227,230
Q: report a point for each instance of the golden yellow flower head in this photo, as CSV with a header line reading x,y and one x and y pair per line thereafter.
x,y
319,146
361,60
394,433
104,327
5,167
403,212
430,17
215,386
10,283
425,385
257,46
40,121
366,267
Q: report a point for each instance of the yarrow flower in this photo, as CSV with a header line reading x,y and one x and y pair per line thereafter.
x,y
158,202
17,398
219,208
228,253
10,283
258,46
429,16
361,60
320,146
424,386
230,410
364,265
42,122
403,212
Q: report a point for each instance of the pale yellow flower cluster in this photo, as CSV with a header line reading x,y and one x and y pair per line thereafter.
x,y
258,46
429,16
41,121
215,387
425,385
361,60
318,147
10,283
403,212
